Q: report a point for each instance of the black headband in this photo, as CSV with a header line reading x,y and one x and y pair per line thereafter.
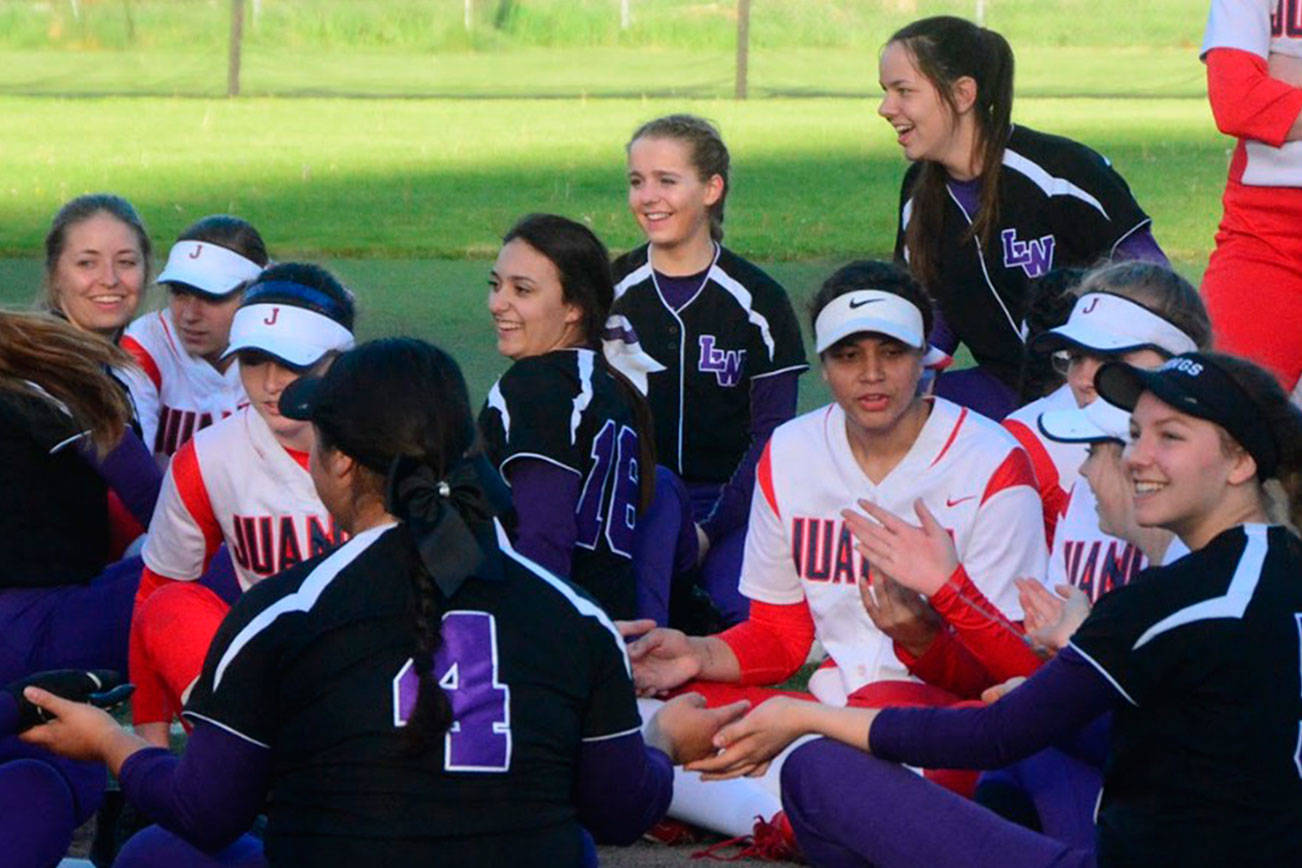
x,y
1192,383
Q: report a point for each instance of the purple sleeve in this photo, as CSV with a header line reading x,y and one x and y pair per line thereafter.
x,y
132,472
1060,698
544,497
623,788
942,337
210,795
772,402
1141,245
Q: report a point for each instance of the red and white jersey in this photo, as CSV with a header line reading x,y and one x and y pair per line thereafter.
x,y
178,393
1263,28
970,472
234,482
1056,464
1086,557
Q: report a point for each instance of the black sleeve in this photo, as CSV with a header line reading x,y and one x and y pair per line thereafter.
x,y
1094,229
238,686
1117,623
532,411
788,349
612,707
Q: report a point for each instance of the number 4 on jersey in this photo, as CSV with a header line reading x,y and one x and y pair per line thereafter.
x,y
465,666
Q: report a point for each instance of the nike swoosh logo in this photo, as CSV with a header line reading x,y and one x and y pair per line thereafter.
x,y
956,501
860,303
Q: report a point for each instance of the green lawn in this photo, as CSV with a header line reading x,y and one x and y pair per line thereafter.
x,y
444,178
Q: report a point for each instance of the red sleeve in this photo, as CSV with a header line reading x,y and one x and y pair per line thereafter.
x,y
143,359
1052,495
773,642
948,664
1246,102
997,644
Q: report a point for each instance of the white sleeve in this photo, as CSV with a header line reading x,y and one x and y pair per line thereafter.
x,y
767,571
176,547
1241,24
144,399
1007,543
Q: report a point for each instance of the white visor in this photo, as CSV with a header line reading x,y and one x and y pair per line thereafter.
x,y
207,267
871,310
1093,423
1108,323
292,334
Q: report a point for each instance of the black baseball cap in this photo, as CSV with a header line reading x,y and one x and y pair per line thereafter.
x,y
1192,383
326,400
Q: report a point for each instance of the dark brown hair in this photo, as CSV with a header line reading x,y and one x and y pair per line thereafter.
x,y
946,48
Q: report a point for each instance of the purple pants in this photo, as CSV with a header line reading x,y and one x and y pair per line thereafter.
x,y
978,389
1064,791
664,545
721,572
37,813
67,627
849,808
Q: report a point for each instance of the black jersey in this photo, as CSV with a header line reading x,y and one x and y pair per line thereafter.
x,y
56,529
315,664
565,408
739,327
1205,766
1060,204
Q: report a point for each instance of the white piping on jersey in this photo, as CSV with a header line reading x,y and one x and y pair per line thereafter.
x,y
301,600
585,606
1297,754
636,276
981,258
800,367
1233,602
194,715
498,403
612,735
1131,231
1052,185
584,360
1105,673
906,214
744,298
501,468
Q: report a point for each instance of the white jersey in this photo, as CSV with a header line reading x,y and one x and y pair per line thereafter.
x,y
178,393
235,483
1057,465
971,474
1263,28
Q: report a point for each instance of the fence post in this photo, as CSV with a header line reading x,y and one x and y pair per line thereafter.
x,y
237,43
625,14
743,46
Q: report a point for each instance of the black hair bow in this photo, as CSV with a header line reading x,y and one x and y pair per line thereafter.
x,y
439,514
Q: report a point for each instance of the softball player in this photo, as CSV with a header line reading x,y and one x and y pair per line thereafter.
x,y
715,334
243,481
1135,312
96,263
560,425
1253,282
987,207
180,386
1193,660
501,716
64,444
802,573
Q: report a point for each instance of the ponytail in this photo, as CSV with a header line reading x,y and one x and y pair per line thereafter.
x,y
1282,493
646,435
